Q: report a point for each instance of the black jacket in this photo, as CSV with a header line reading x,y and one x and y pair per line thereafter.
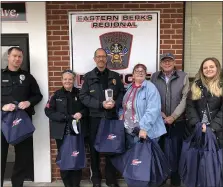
x,y
214,107
60,108
92,94
19,86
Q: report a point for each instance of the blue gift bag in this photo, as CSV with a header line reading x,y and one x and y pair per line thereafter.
x,y
190,156
110,137
143,165
160,169
71,155
200,163
16,126
210,166
139,162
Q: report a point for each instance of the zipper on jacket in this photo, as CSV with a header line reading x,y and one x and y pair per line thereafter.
x,y
136,104
165,94
166,98
209,112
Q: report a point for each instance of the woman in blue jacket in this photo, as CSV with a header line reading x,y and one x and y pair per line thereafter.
x,y
141,108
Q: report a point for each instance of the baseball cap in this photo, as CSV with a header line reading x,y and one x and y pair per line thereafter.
x,y
167,55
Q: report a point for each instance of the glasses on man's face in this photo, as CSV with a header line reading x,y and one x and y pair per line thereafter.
x,y
140,72
167,60
100,57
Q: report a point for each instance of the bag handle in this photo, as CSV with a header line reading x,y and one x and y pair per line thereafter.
x,y
79,126
196,134
16,103
147,139
210,140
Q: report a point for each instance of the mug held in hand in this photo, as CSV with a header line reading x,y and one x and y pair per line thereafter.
x,y
109,95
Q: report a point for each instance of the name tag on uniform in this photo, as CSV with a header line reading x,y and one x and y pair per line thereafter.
x,y
92,91
5,80
58,99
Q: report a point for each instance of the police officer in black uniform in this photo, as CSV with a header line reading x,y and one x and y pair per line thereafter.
x,y
64,106
18,88
92,96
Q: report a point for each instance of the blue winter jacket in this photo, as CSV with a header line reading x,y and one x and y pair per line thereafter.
x,y
148,109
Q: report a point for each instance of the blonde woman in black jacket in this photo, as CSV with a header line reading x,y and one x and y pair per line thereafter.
x,y
205,100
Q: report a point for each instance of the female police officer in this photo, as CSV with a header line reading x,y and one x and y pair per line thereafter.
x,y
62,107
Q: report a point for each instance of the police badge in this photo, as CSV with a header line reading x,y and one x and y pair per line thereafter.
x,y
114,81
22,78
118,48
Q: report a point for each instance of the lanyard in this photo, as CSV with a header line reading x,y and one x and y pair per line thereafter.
x,y
133,98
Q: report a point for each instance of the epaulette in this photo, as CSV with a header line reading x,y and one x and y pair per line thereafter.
x,y
4,70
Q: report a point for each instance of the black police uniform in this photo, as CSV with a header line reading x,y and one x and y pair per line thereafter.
x,y
92,96
59,109
19,86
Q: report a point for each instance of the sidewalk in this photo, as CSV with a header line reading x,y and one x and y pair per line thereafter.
x,y
85,183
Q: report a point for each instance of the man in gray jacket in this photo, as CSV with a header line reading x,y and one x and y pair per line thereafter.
x,y
173,86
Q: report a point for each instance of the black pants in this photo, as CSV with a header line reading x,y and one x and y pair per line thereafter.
x,y
176,131
110,171
23,167
70,178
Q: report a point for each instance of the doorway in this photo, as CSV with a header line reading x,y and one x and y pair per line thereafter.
x,y
7,41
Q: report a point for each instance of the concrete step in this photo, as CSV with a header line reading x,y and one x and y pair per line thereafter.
x,y
84,183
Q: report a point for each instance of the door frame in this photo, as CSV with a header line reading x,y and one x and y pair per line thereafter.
x,y
21,40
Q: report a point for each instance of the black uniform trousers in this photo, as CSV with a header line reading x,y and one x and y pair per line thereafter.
x,y
70,178
110,170
23,167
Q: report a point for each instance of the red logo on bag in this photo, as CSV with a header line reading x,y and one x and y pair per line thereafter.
x,y
16,122
136,162
75,153
111,137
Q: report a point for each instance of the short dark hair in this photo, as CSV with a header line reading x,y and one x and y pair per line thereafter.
x,y
98,50
16,48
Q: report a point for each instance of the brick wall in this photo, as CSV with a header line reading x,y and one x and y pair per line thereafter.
x,y
171,39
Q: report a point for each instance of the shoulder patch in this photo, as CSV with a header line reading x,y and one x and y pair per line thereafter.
x,y
48,102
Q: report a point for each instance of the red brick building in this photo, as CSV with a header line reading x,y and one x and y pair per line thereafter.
x,y
177,25
171,37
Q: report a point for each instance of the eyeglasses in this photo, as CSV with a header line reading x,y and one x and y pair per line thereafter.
x,y
103,57
167,60
139,72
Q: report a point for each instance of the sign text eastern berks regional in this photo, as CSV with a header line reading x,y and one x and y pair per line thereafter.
x,y
114,21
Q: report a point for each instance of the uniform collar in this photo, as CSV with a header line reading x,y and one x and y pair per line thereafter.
x,y
98,72
93,74
7,69
65,91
